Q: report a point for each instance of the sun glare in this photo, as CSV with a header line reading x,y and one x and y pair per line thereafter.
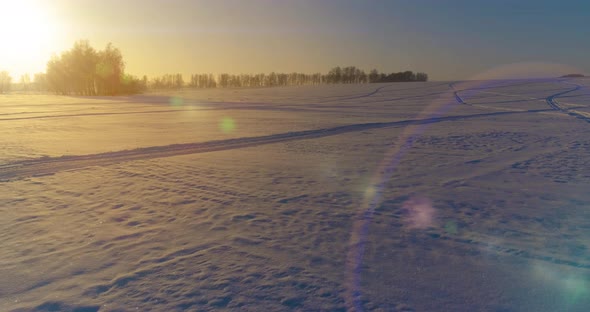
x,y
27,34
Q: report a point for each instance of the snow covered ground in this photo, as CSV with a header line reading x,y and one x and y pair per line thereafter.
x,y
468,196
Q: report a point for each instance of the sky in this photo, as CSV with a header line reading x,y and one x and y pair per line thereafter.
x,y
449,40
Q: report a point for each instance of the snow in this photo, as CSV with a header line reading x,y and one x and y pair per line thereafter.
x,y
254,199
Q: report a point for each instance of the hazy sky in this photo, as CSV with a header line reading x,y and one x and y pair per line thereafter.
x,y
447,39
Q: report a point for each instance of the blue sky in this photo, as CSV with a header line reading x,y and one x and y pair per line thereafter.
x,y
461,39
450,40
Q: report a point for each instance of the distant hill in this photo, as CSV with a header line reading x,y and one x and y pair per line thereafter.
x,y
572,76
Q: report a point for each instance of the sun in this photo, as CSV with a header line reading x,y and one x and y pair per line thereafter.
x,y
27,35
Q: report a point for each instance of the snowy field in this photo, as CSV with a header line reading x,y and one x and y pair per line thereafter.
x,y
468,196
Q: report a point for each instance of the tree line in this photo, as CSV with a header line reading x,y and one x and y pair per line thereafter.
x,y
337,75
83,70
5,81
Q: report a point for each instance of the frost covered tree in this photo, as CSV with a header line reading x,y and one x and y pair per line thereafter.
x,y
25,81
86,71
5,81
40,82
348,74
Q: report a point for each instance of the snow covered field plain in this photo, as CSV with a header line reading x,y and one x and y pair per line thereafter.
x,y
467,196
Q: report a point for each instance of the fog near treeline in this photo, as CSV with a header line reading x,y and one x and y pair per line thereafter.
x,y
84,70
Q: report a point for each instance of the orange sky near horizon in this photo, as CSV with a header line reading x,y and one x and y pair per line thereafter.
x,y
175,37
460,40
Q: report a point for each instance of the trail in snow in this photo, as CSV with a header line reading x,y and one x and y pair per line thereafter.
x,y
50,165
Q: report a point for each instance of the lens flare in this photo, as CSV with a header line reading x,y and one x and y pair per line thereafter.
x,y
227,125
176,101
424,215
420,213
569,285
451,227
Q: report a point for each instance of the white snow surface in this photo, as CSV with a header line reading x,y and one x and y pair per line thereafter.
x,y
474,196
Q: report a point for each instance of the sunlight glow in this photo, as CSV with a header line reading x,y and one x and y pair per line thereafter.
x,y
28,34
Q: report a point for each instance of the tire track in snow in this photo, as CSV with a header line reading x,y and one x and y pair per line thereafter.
x,y
357,96
379,90
550,99
95,114
204,107
554,105
51,165
460,100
